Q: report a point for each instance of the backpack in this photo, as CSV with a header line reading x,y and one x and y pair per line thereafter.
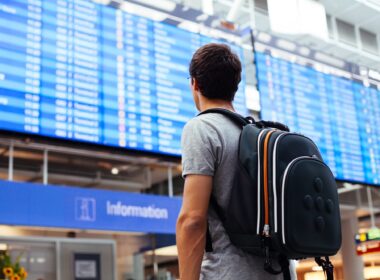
x,y
284,202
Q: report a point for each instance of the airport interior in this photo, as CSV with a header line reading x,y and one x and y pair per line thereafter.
x,y
94,95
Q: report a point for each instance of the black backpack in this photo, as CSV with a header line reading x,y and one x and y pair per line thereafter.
x,y
284,202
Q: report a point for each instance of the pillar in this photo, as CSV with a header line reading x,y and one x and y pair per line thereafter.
x,y
353,266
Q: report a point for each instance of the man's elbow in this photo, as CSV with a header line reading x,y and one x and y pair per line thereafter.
x,y
191,223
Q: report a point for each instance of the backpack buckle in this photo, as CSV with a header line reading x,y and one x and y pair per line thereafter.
x,y
267,257
268,263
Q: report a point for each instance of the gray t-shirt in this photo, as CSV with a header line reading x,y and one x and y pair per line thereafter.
x,y
209,147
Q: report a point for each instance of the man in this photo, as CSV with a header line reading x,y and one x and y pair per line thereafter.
x,y
209,160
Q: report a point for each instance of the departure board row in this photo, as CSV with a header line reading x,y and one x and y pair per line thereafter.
x,y
340,114
78,70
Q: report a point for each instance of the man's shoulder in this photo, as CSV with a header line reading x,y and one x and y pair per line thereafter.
x,y
211,120
199,122
204,128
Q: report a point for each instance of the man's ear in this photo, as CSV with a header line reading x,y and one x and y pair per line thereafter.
x,y
194,83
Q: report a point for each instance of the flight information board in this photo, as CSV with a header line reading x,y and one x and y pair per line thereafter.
x,y
337,106
78,70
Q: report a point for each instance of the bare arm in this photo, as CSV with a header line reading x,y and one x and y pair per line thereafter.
x,y
192,225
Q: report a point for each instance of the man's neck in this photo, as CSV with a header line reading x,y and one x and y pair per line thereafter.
x,y
206,104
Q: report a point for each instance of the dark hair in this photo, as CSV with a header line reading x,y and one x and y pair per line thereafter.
x,y
217,71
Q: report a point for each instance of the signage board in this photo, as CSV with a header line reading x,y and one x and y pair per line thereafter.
x,y
28,204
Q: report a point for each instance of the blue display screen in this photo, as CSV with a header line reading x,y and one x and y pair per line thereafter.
x,y
77,70
341,115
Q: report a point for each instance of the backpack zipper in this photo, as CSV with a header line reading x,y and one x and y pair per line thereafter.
x,y
259,179
283,191
274,183
266,189
274,180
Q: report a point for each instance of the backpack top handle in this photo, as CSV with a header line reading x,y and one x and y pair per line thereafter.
x,y
277,125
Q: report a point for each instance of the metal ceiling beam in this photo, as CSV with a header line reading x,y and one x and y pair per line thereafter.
x,y
370,4
143,160
369,20
368,59
347,9
84,181
349,189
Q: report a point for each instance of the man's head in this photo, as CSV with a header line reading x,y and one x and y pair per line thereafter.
x,y
215,73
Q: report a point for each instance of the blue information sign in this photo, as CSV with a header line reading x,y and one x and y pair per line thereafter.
x,y
68,207
78,70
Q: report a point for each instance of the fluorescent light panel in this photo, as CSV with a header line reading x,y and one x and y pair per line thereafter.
x,y
298,17
165,251
165,5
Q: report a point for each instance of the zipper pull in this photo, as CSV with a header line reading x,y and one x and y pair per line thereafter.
x,y
266,230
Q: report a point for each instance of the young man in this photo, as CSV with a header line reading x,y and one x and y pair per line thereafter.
x,y
209,161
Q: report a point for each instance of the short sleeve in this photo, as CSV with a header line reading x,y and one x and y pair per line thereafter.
x,y
201,148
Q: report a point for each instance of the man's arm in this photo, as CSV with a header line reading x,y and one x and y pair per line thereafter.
x,y
192,225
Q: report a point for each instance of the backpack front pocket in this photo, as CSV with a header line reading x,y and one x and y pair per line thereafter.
x,y
309,212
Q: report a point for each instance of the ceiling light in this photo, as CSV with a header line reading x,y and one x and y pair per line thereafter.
x,y
208,7
283,16
298,17
115,171
162,4
104,2
165,251
41,260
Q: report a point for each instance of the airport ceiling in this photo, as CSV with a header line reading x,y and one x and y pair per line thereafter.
x,y
360,14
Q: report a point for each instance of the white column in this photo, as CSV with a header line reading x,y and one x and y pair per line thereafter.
x,y
11,162
138,266
353,267
45,168
170,181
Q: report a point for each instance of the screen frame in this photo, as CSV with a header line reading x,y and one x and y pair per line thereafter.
x,y
83,145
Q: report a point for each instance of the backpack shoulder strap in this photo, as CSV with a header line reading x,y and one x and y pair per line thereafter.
x,y
235,117
241,122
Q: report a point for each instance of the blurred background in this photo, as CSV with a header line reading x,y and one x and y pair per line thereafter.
x,y
94,96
